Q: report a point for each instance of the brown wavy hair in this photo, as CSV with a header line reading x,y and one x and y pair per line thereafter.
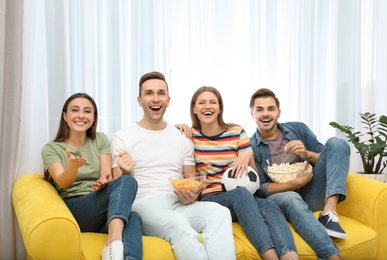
x,y
194,118
64,131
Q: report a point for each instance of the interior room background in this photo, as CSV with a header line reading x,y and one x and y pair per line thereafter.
x,y
326,60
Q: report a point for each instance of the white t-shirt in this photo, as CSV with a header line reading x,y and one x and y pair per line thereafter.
x,y
158,155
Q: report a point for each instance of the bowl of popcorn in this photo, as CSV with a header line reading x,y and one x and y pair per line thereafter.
x,y
193,182
283,168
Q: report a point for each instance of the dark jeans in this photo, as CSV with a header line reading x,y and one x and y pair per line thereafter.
x,y
94,211
261,220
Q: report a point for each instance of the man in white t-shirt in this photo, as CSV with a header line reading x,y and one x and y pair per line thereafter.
x,y
152,151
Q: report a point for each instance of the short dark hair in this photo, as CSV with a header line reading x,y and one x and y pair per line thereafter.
x,y
263,92
148,76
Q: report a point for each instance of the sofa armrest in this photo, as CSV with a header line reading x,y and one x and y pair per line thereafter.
x,y
48,228
367,204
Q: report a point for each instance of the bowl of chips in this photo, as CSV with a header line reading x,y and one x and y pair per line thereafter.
x,y
283,168
192,181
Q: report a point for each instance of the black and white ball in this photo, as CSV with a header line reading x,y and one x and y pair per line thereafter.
x,y
249,181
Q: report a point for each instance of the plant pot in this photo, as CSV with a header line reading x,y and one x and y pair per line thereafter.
x,y
379,177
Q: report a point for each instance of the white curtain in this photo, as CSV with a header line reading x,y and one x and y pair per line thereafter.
x,y
325,59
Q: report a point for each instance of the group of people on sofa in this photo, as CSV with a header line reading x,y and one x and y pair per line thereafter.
x,y
121,186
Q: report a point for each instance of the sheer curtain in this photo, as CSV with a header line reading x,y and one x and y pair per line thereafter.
x,y
322,58
326,60
11,30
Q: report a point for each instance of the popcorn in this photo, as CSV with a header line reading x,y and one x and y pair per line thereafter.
x,y
284,172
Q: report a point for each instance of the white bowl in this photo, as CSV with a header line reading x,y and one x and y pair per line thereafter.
x,y
193,182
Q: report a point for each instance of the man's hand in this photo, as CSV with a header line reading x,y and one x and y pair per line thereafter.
x,y
126,164
297,147
186,196
304,176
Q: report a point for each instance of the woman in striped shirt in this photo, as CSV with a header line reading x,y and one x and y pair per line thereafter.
x,y
218,146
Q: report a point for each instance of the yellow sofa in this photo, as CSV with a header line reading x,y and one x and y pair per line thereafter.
x,y
50,232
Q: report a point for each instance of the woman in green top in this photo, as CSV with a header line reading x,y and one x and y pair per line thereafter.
x,y
78,163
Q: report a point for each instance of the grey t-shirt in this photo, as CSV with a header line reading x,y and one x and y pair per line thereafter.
x,y
277,145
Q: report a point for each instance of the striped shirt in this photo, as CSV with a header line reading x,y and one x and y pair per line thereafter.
x,y
214,154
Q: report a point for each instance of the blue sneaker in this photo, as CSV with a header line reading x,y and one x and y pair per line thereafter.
x,y
330,220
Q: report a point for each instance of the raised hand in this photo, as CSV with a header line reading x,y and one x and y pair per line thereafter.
x,y
126,163
75,162
297,147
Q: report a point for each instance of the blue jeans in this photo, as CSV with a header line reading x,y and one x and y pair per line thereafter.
x,y
94,211
329,178
329,175
261,220
305,223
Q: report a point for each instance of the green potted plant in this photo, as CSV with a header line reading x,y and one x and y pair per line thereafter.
x,y
373,149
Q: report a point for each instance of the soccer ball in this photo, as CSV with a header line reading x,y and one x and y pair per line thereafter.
x,y
249,181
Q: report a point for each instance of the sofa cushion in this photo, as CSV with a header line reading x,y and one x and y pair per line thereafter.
x,y
360,239
44,220
153,247
361,242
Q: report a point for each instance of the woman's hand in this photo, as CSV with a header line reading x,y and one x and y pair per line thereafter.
x,y
101,182
65,177
241,165
184,129
74,162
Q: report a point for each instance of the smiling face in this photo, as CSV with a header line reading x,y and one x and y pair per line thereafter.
x,y
266,113
207,108
154,100
79,115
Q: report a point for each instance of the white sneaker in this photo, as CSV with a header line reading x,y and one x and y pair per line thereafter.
x,y
114,251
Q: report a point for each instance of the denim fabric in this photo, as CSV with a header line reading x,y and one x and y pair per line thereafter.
x,y
305,223
179,224
262,220
329,173
329,178
94,211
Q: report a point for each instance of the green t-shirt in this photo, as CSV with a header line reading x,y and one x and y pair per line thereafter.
x,y
87,174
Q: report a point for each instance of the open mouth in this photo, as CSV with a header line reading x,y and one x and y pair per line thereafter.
x,y
155,108
208,113
80,123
